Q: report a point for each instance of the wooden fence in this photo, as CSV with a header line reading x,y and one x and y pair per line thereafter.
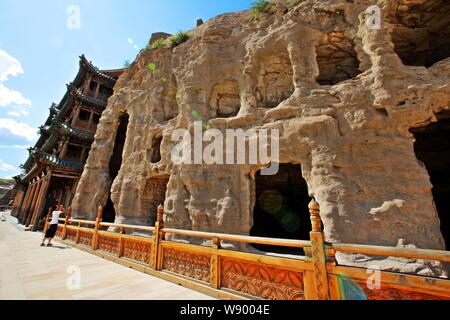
x,y
232,274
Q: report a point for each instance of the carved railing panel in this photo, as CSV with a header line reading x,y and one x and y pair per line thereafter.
x,y
59,231
108,244
261,276
86,238
189,264
261,281
137,250
389,293
71,235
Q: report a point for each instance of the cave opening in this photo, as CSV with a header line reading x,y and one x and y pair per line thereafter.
x,y
154,154
109,213
421,32
432,147
281,208
337,59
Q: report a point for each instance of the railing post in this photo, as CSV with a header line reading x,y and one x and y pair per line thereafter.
x,y
66,222
318,253
120,250
77,238
157,237
97,226
214,265
49,214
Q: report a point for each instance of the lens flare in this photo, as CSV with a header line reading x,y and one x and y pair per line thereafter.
x,y
270,201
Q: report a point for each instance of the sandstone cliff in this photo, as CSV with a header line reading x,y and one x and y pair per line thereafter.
x,y
343,95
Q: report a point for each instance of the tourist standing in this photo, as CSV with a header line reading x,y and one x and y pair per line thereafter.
x,y
51,231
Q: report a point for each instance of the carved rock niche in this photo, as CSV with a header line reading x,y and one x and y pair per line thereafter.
x,y
421,31
337,59
225,99
154,154
275,80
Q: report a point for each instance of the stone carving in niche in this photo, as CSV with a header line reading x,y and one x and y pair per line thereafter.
x,y
154,195
225,99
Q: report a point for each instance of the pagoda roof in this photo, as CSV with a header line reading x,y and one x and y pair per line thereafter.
x,y
19,178
78,95
86,65
54,134
43,157
66,130
74,93
53,128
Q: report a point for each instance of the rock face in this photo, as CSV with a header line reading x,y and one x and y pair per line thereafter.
x,y
343,93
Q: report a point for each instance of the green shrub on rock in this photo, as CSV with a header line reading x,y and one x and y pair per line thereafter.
x,y
178,39
159,43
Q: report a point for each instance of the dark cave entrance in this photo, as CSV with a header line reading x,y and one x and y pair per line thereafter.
x,y
109,213
281,208
337,59
154,154
432,147
421,32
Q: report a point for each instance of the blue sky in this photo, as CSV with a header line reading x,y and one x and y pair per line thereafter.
x,y
39,52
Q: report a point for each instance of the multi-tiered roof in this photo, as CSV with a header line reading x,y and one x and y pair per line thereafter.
x,y
57,127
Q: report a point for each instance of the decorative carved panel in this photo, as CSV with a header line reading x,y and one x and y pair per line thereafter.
x,y
86,238
108,244
59,231
137,250
388,293
192,265
261,281
71,235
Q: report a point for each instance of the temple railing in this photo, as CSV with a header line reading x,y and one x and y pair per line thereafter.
x,y
226,272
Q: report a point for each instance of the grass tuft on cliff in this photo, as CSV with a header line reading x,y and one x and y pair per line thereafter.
x,y
260,5
178,39
159,43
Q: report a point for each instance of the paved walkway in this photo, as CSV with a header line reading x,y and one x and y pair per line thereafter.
x,y
28,271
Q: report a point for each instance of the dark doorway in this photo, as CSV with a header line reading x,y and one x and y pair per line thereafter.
x,y
432,147
421,32
281,209
155,152
109,213
337,59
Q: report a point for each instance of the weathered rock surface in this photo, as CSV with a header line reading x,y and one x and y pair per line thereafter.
x,y
338,91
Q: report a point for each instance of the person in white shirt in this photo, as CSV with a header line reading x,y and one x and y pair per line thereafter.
x,y
51,231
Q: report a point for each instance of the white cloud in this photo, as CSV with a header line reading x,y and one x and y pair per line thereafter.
x,y
19,129
18,113
14,114
10,66
6,167
16,146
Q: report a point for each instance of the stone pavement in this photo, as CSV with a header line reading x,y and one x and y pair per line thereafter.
x,y
28,271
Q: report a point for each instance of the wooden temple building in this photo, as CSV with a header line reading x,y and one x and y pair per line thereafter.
x,y
55,164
